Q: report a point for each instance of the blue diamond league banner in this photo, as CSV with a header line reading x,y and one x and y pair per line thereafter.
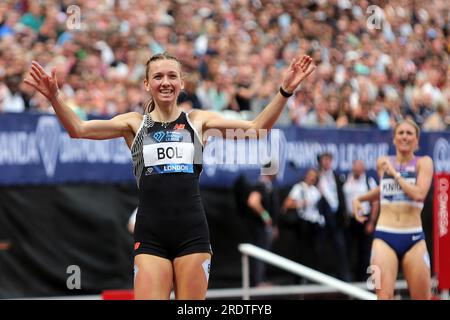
x,y
298,148
35,149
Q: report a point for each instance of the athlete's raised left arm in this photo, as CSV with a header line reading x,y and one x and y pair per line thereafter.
x,y
298,70
417,191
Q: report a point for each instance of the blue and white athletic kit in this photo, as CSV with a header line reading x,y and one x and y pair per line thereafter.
x,y
400,240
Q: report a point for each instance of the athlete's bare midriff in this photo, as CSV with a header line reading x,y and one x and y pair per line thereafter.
x,y
400,216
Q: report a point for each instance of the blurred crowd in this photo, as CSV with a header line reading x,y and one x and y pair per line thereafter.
x,y
378,61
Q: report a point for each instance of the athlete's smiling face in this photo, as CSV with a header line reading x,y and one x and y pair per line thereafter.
x,y
406,138
164,80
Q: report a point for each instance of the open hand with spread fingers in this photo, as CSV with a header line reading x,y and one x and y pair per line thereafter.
x,y
298,70
47,85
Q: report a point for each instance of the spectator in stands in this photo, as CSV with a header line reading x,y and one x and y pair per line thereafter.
x,y
319,116
332,206
263,206
438,120
359,236
299,107
11,97
188,98
238,39
304,198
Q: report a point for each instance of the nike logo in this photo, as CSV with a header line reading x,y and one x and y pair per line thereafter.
x,y
416,237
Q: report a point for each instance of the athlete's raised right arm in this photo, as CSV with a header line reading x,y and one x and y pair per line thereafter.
x,y
119,126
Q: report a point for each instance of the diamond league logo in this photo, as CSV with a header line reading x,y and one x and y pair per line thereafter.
x,y
47,137
159,135
441,155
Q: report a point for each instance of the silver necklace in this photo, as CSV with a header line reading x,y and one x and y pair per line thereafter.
x,y
151,122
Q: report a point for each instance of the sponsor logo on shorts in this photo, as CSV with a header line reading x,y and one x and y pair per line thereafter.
x,y
136,245
416,237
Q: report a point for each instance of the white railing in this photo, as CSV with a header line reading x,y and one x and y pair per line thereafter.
x,y
231,293
250,250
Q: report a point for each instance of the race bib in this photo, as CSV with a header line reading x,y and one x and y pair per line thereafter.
x,y
169,157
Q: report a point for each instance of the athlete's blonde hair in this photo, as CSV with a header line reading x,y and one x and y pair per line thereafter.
x,y
410,122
